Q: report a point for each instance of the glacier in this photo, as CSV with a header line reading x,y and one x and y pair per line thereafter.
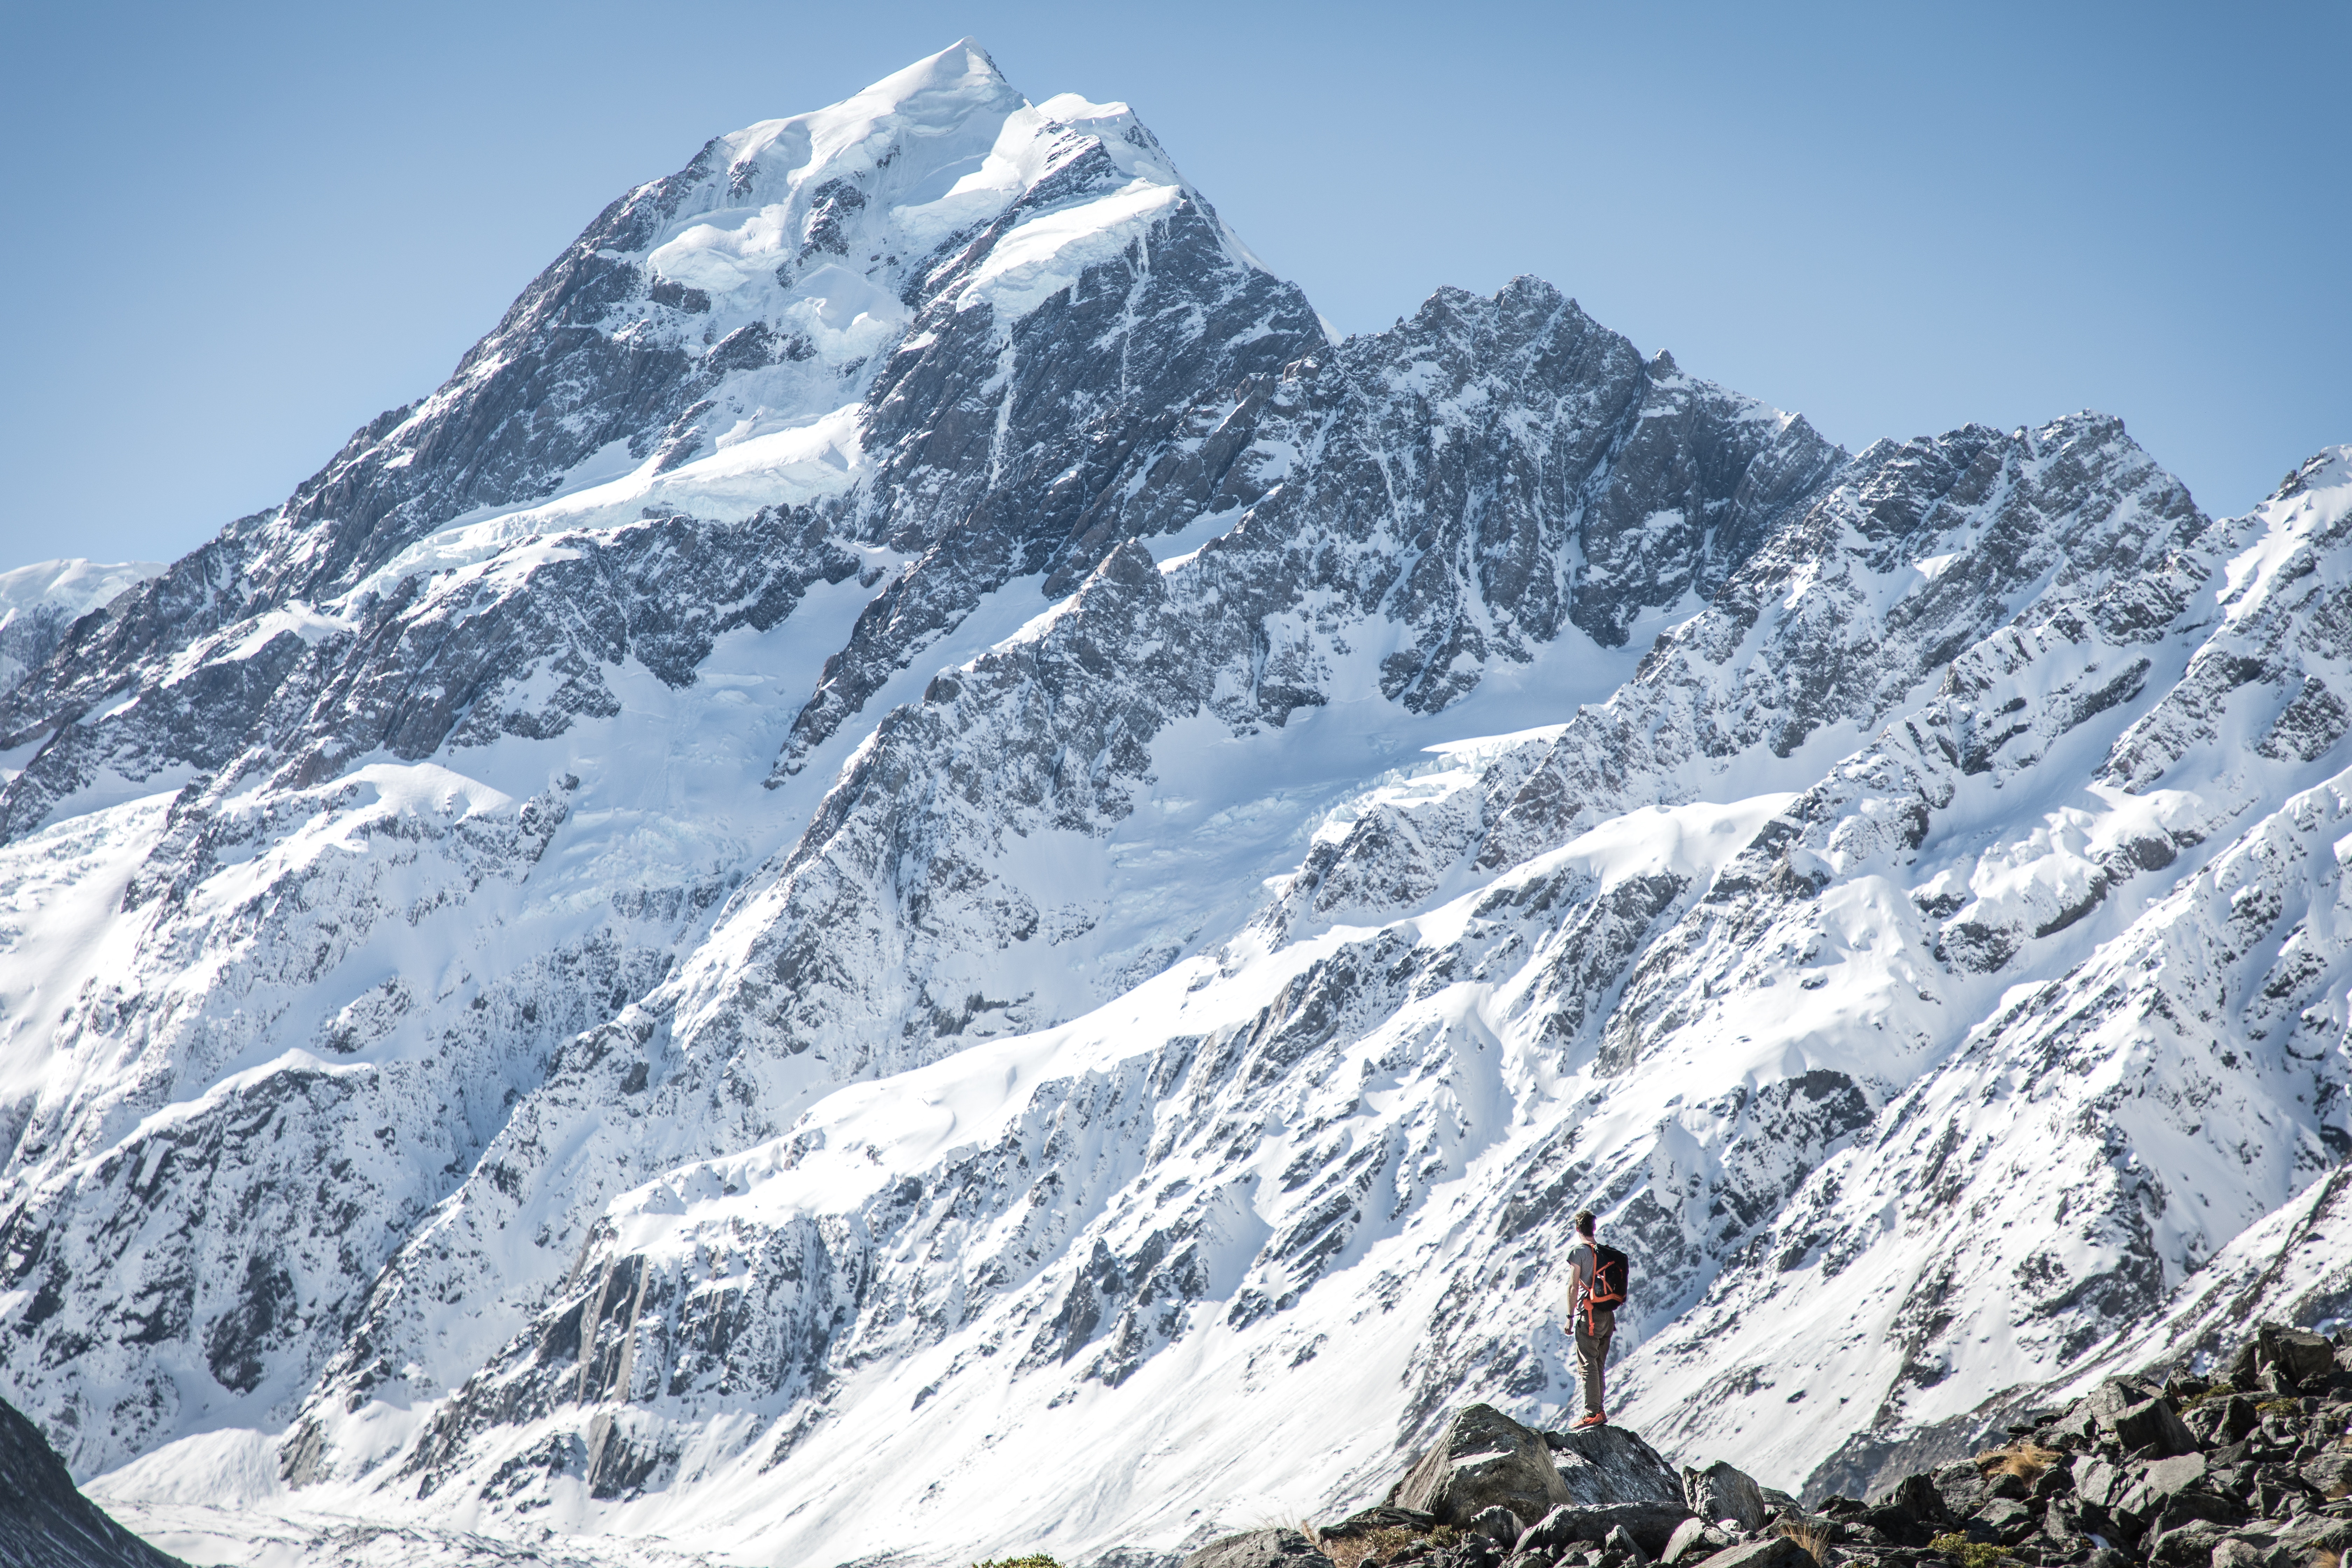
x,y
917,875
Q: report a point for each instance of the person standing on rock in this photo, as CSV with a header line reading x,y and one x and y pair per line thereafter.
x,y
1596,1285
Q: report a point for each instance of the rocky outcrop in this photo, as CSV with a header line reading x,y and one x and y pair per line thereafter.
x,y
46,1522
1483,1460
2256,1473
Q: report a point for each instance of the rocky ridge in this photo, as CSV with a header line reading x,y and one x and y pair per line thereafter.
x,y
2252,1467
45,1521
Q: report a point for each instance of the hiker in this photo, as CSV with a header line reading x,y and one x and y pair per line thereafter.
x,y
1596,1285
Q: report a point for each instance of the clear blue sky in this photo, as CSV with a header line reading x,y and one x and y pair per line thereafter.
x,y
236,232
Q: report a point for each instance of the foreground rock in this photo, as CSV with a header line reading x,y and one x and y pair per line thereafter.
x,y
45,1521
1483,1460
1602,1464
2250,1470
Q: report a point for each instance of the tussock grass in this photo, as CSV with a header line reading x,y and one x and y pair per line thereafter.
x,y
2025,1458
1377,1547
1809,1534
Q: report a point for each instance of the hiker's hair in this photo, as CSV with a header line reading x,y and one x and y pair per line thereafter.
x,y
1584,1222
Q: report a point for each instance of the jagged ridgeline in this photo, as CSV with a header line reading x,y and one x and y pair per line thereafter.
x,y
916,874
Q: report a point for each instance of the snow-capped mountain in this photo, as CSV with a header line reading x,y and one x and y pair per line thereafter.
x,y
914,875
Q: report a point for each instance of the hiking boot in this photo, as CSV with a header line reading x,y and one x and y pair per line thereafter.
x,y
1599,1418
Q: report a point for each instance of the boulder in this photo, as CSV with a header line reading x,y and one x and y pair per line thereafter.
x,y
1260,1549
2188,1547
2070,1519
1721,1492
2010,1521
1617,1544
2152,1485
2316,1533
1772,1551
2098,1482
2073,1429
1483,1460
2193,1505
1692,1539
2280,1359
1496,1524
1900,1525
1612,1464
1649,1525
2304,1356
2222,1419
1962,1487
2328,1474
2134,1419
1916,1495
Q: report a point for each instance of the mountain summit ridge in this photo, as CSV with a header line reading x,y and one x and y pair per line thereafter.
x,y
912,837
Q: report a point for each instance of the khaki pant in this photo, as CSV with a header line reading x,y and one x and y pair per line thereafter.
x,y
1592,1335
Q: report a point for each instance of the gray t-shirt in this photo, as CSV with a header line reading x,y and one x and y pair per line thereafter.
x,y
1583,1263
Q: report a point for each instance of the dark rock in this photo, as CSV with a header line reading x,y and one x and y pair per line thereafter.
x,y
2191,1546
1916,1495
2238,1553
1618,1543
1962,1487
45,1521
1613,1465
1692,1539
1652,1526
2010,1521
1496,1524
1900,1526
1260,1549
2134,1419
2329,1474
2069,1521
2315,1532
1483,1460
1721,1491
2304,1356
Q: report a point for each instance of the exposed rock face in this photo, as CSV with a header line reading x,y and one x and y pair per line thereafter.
x,y
45,1521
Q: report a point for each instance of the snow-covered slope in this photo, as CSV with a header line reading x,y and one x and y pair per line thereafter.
x,y
913,876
